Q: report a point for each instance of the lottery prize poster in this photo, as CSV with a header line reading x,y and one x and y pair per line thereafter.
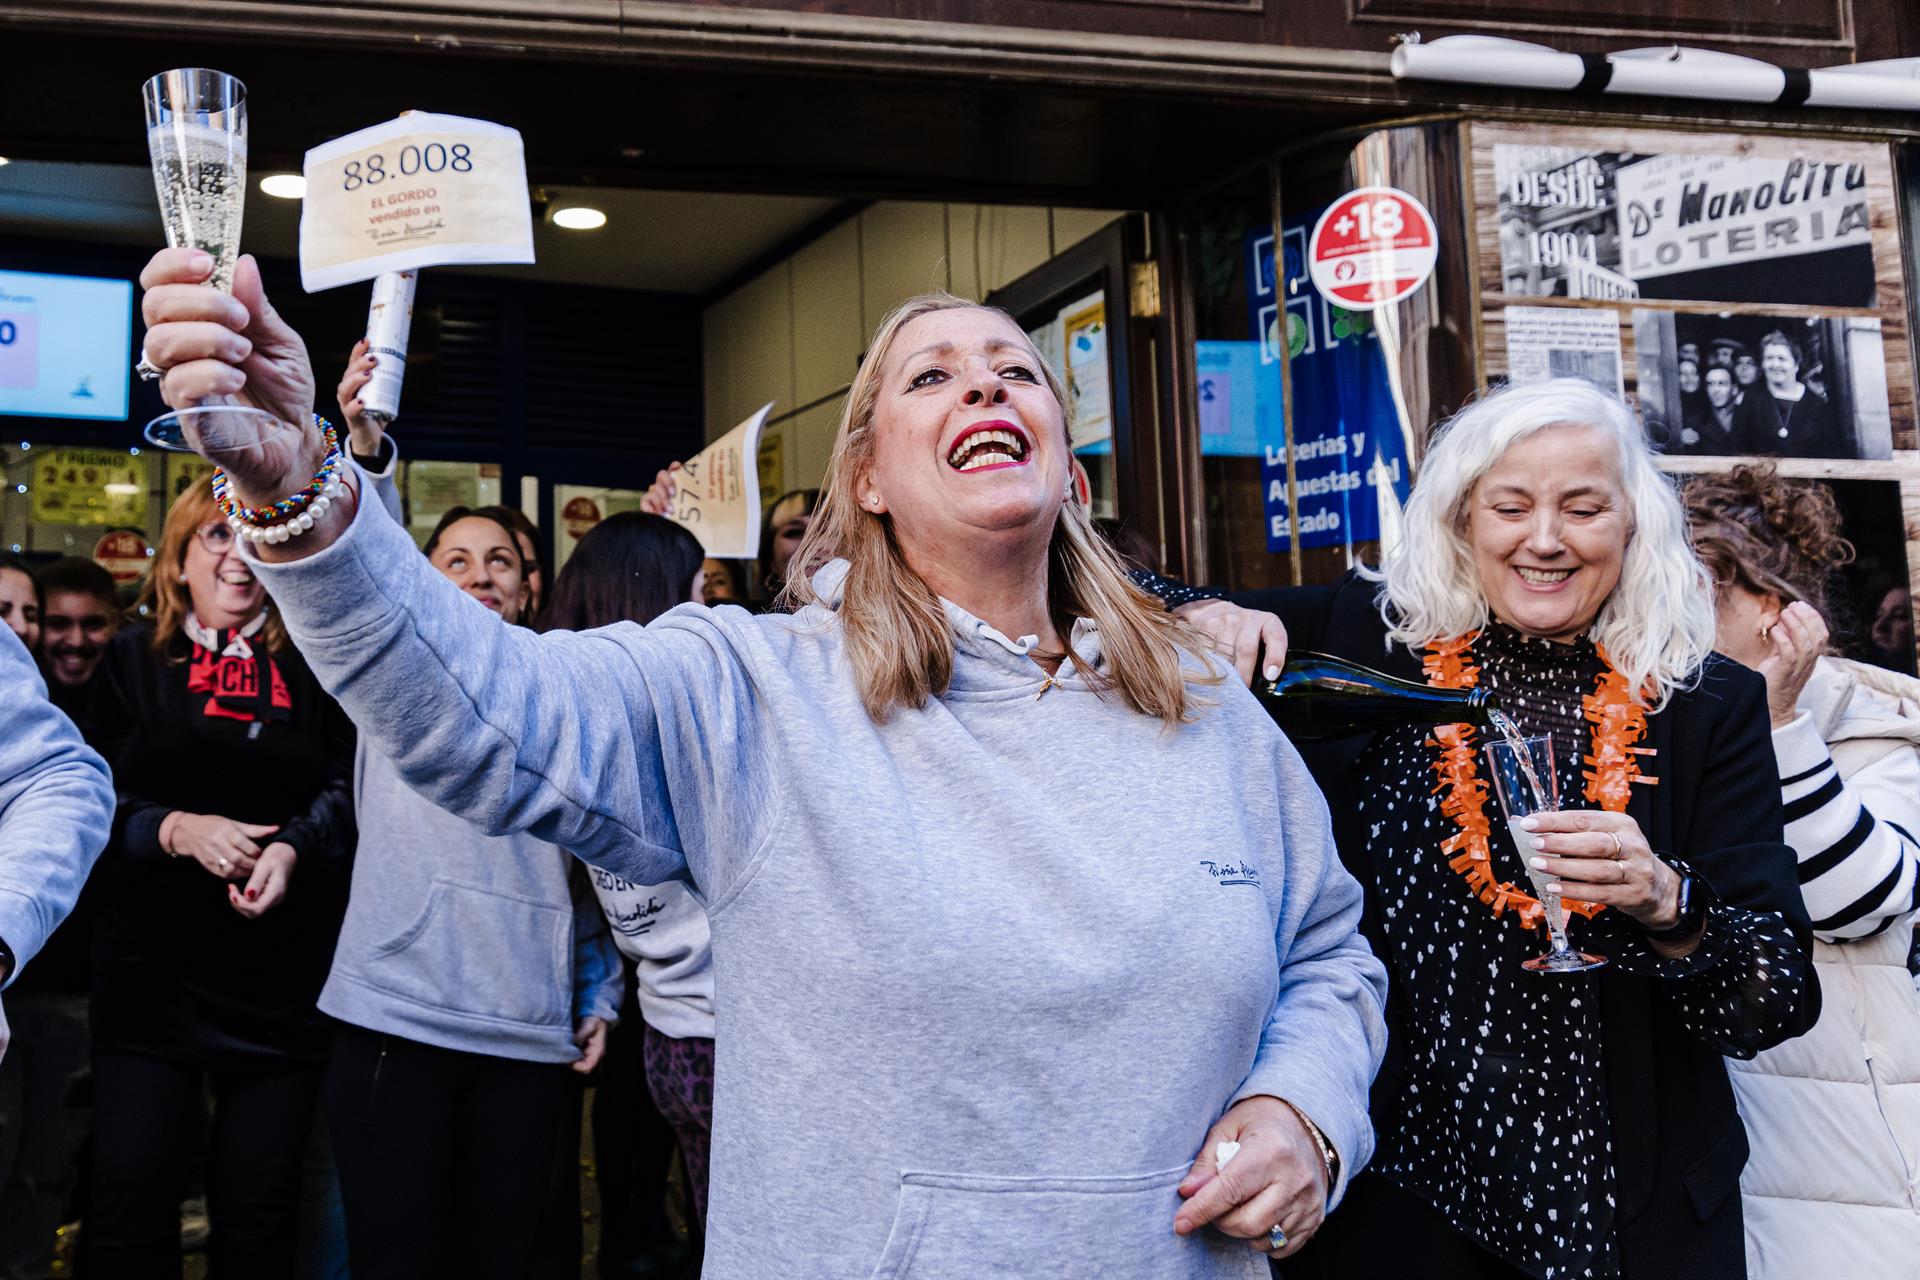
x,y
87,486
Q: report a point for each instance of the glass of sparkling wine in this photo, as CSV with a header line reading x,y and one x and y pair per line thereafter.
x,y
197,136
1525,781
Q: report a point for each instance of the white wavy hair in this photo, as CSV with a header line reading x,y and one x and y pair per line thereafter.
x,y
1657,626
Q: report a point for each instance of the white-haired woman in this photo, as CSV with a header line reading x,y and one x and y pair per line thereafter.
x,y
1021,921
1558,1125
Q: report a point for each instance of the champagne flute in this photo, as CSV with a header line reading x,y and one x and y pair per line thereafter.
x,y
197,138
1525,781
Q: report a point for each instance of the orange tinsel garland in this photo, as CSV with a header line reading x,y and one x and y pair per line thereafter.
x,y
1619,723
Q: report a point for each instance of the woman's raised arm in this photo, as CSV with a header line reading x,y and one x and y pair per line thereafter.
x,y
615,744
612,744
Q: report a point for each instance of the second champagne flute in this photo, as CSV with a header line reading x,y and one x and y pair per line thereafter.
x,y
1525,781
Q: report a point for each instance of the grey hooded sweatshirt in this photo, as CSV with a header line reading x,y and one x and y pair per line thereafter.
x,y
984,974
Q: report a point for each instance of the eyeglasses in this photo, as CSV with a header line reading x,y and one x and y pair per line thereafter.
x,y
216,536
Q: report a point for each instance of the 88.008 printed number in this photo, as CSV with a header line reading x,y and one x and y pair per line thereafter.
x,y
433,158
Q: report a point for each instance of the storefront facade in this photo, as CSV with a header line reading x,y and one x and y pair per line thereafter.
x,y
1167,159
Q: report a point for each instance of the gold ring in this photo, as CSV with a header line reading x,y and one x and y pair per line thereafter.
x,y
1618,848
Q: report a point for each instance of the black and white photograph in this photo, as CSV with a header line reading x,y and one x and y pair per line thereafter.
x,y
1781,386
1606,225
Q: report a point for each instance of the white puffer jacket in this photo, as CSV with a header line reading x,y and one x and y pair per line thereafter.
x,y
1833,1186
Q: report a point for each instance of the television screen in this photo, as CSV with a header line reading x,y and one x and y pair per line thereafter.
x,y
65,345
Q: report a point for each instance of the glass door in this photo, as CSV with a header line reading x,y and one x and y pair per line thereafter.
x,y
1309,402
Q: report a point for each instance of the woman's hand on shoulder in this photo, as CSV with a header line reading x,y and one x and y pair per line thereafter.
x,y
226,848
1254,642
1797,639
1276,1179
272,873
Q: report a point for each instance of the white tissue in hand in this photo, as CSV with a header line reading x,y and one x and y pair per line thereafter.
x,y
1223,1153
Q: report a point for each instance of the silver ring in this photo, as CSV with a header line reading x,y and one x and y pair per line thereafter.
x,y
224,864
1276,1238
147,369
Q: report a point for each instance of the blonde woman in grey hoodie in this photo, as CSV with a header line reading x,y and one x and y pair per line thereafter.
x,y
1024,918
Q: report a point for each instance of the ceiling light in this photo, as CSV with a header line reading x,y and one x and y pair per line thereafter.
x,y
288,186
579,218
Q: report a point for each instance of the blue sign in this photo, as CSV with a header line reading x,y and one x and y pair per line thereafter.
x,y
1350,458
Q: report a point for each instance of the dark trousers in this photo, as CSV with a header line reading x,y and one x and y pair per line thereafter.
x,y
444,1157
632,1147
42,1131
144,1115
1383,1232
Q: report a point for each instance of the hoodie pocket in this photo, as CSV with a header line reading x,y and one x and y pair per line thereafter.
x,y
481,952
956,1226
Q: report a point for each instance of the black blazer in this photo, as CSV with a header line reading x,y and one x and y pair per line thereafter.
x,y
1678,1144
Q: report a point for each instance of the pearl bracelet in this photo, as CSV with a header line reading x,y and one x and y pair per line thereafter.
x,y
316,511
291,516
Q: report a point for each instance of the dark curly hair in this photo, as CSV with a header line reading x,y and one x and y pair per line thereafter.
x,y
1770,536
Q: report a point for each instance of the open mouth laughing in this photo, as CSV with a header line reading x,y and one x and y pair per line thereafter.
x,y
1542,577
989,445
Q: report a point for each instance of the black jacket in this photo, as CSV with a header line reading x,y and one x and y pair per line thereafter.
x,y
178,974
1678,1144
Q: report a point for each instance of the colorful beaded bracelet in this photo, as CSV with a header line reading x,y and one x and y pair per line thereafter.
x,y
324,487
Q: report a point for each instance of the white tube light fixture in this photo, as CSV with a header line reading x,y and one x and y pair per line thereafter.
x,y
1670,71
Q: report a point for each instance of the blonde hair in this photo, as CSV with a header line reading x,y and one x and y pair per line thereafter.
x,y
1657,625
164,596
897,633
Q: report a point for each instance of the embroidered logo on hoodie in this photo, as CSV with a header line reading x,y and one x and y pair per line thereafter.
x,y
1230,873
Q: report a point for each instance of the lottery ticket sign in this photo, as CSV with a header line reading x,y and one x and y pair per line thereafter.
x,y
422,190
1371,248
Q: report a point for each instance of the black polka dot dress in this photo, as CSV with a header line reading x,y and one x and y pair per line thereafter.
x,y
1500,1121
1502,1118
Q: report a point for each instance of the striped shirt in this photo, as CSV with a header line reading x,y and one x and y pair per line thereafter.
x,y
1859,861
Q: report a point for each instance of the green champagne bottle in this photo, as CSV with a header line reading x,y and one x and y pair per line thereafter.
x,y
1318,696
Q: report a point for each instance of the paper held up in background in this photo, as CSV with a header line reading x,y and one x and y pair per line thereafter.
x,y
421,190
717,494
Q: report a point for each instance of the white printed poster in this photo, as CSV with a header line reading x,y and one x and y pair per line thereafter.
x,y
1564,342
421,190
1083,336
717,491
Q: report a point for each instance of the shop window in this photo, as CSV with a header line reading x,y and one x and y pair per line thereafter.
x,y
1310,408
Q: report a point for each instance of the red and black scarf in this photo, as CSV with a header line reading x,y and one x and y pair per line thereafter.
x,y
239,677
